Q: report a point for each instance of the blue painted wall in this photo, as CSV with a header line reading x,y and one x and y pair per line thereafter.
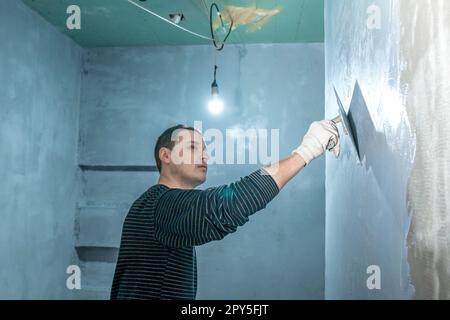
x,y
367,219
40,83
130,95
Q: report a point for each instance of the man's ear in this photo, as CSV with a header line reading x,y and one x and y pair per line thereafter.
x,y
164,155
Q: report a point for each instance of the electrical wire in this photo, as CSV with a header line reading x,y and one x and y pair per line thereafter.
x,y
215,71
213,38
172,23
219,48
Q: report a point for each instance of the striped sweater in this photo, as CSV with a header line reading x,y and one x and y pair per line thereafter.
x,y
157,252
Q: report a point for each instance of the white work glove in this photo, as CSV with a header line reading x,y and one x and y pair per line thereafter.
x,y
321,136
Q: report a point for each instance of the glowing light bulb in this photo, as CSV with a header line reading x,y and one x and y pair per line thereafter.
x,y
215,105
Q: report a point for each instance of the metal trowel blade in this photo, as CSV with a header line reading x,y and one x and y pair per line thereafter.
x,y
346,124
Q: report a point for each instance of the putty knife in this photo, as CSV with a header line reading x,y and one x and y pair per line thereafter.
x,y
343,118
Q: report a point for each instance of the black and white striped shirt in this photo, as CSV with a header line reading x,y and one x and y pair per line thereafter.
x,y
157,252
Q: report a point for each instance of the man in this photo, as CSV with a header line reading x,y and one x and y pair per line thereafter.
x,y
157,253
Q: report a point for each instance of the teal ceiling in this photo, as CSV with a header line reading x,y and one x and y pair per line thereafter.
x,y
106,23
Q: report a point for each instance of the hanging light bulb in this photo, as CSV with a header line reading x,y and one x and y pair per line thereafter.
x,y
215,105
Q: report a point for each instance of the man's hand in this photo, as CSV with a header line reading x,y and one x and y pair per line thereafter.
x,y
321,136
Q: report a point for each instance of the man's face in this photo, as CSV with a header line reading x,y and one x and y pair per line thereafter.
x,y
189,157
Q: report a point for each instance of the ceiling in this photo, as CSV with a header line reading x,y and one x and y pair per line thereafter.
x,y
107,23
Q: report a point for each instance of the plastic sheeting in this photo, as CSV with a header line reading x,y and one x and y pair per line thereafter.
x,y
255,18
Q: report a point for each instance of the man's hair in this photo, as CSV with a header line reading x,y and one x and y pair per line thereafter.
x,y
165,141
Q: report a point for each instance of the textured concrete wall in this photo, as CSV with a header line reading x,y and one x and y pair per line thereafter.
x,y
130,95
366,205
40,82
